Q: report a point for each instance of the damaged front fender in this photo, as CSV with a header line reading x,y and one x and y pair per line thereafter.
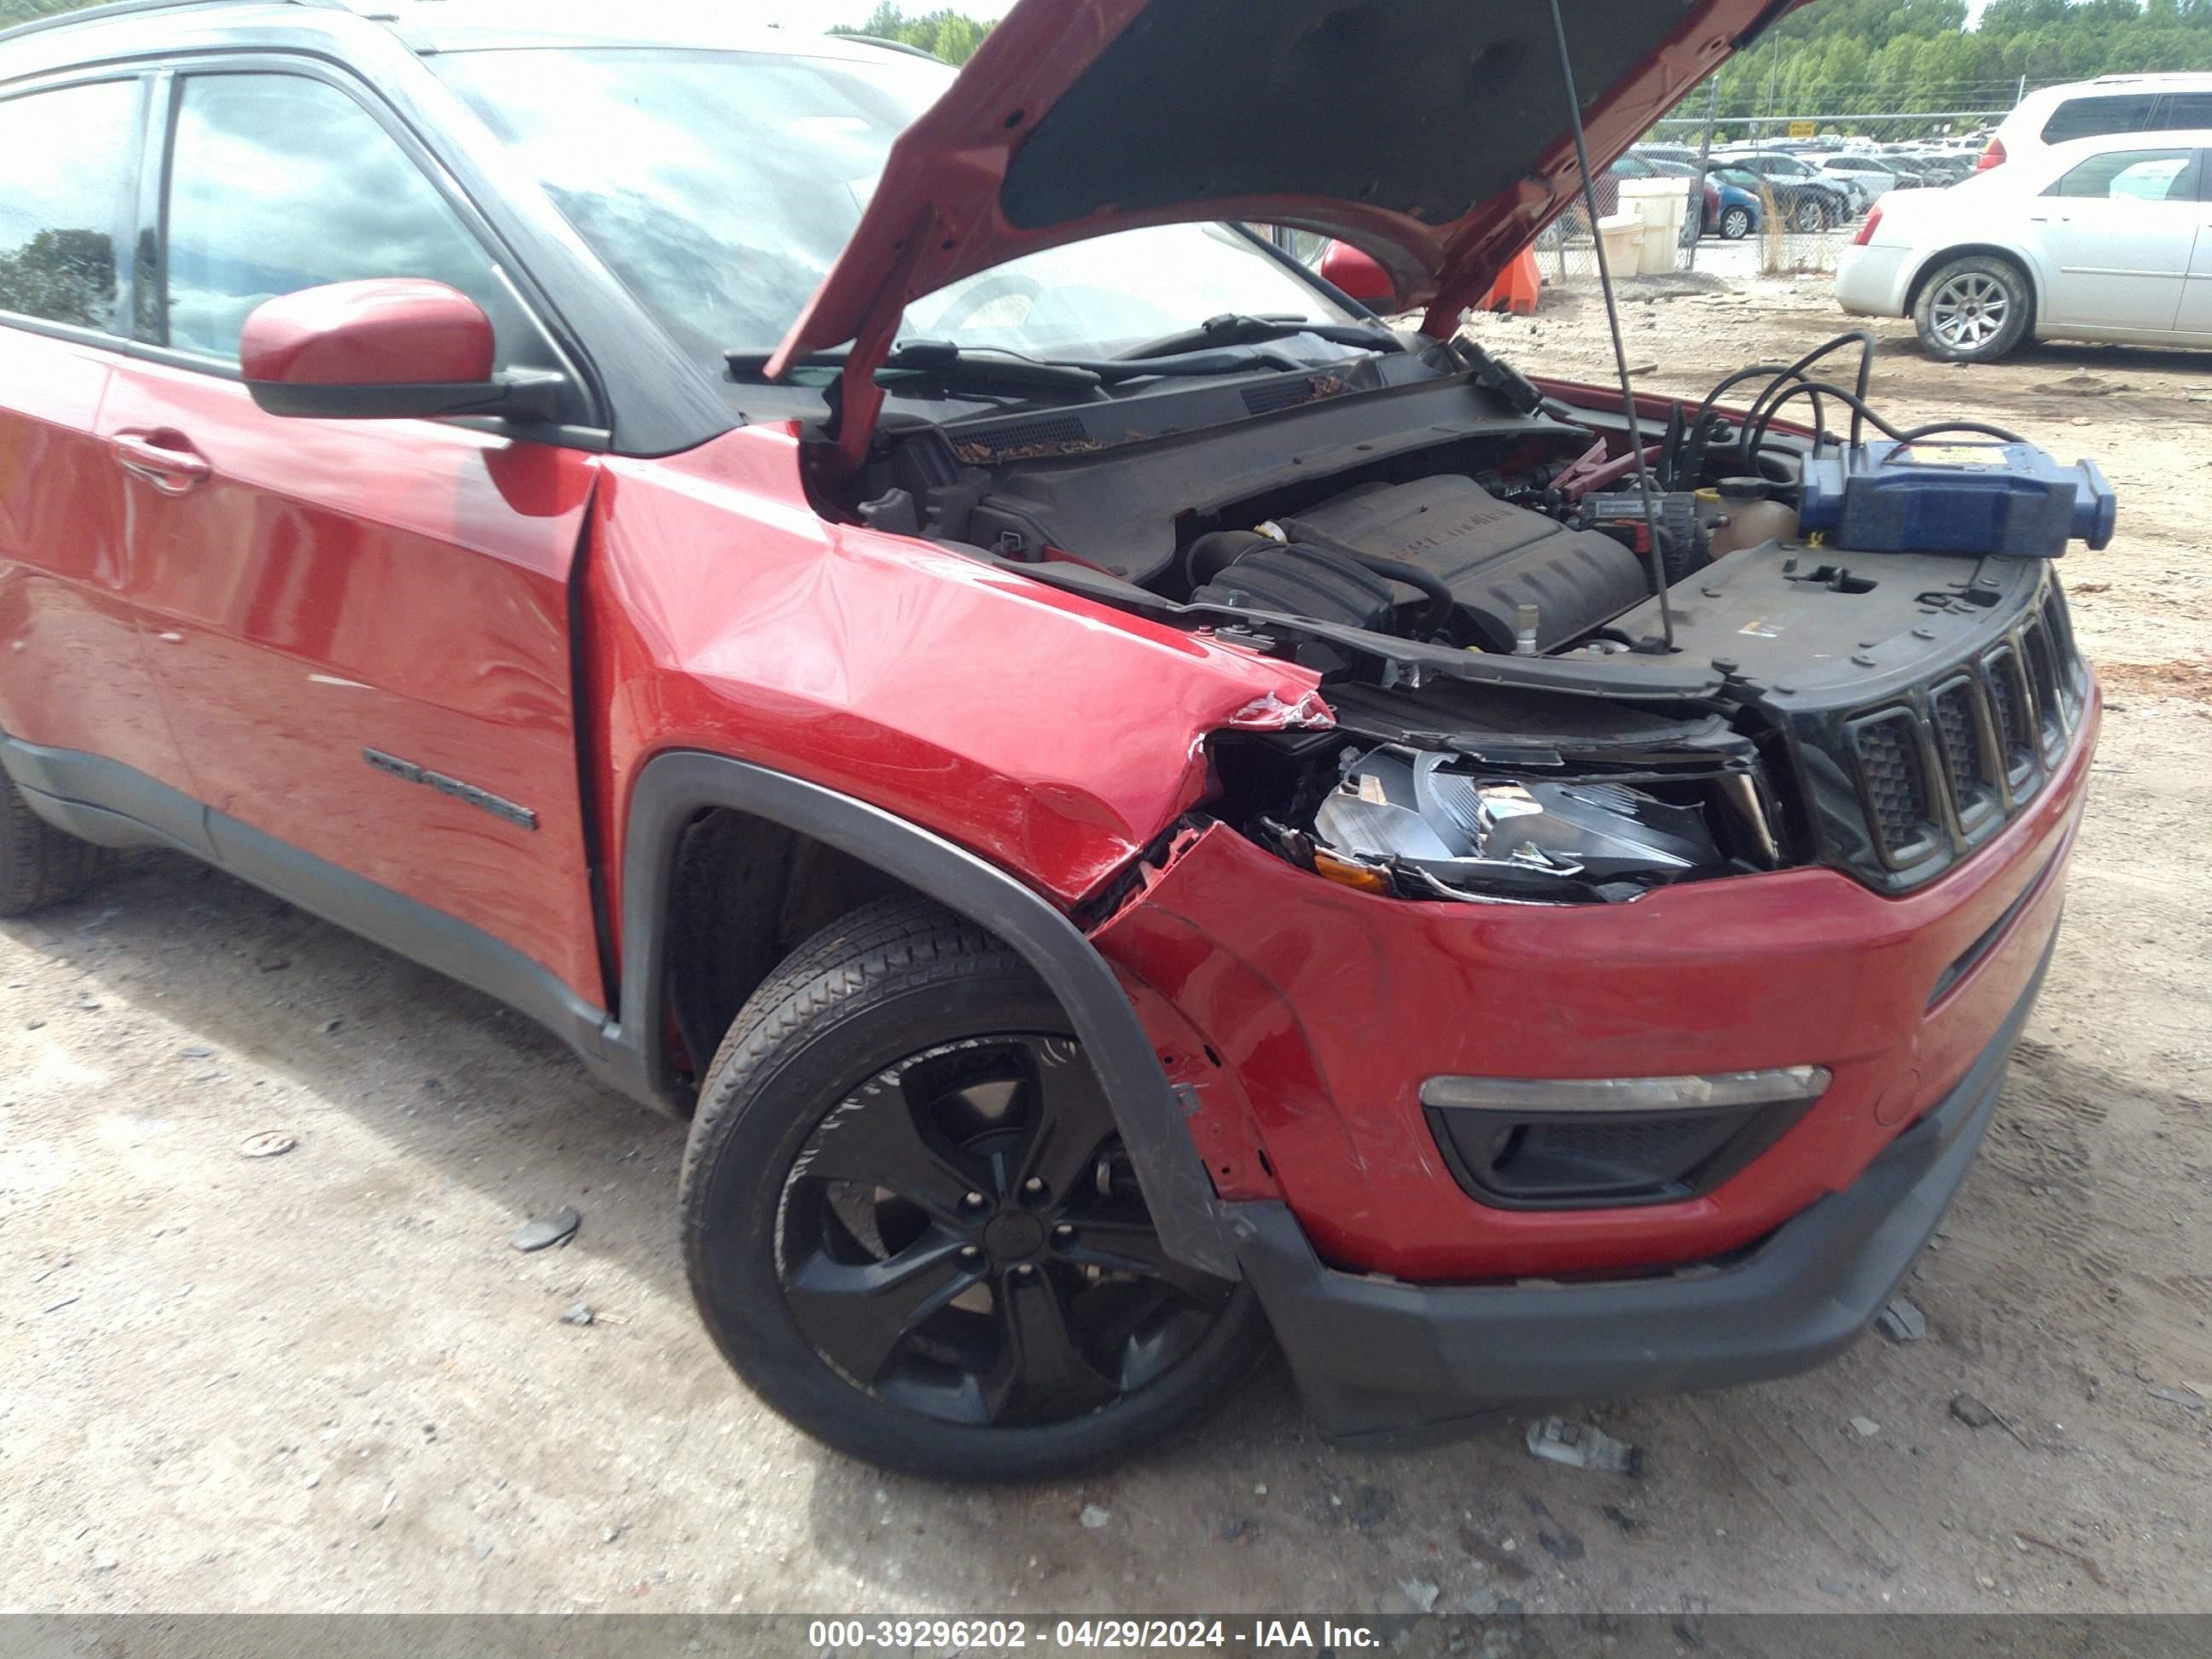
x,y
1040,729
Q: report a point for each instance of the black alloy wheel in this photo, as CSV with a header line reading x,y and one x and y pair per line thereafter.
x,y
962,1236
912,1228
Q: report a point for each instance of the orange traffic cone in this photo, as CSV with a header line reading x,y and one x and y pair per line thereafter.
x,y
1515,290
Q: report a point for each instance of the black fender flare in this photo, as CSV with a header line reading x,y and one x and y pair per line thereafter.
x,y
676,787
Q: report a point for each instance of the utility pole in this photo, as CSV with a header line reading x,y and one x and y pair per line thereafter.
x,y
1773,70
1704,160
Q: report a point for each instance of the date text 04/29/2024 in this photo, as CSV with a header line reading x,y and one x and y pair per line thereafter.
x,y
1287,1635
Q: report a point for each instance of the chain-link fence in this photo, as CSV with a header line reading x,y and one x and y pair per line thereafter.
x,y
1733,232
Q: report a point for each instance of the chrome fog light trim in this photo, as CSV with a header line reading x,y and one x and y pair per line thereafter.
x,y
1696,1092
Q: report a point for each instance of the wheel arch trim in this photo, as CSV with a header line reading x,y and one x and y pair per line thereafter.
x,y
675,786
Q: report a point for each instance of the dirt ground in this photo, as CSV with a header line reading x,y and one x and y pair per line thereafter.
x,y
325,1380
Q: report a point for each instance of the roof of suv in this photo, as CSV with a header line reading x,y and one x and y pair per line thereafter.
x,y
2178,81
2151,78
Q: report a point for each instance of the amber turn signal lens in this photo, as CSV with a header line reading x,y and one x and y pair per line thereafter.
x,y
1345,873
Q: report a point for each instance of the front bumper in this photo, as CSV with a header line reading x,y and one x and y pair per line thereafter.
x,y
1300,1020
1378,1359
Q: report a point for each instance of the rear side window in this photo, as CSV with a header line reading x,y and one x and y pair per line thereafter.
x,y
2186,112
2093,118
65,196
277,183
2132,175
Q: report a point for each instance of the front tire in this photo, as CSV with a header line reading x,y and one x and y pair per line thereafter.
x,y
910,1228
39,864
1735,224
1809,215
1972,310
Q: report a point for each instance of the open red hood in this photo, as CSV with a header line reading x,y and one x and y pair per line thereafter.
x,y
1432,133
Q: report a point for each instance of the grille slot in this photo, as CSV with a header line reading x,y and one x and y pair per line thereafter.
x,y
2059,628
1894,781
2010,703
2043,682
1963,740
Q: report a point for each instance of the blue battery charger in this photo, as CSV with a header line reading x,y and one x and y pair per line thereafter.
x,y
1946,495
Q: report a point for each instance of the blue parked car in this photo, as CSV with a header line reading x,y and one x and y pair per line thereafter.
x,y
1731,211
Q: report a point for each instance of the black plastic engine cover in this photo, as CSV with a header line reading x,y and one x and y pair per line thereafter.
x,y
1303,581
1494,557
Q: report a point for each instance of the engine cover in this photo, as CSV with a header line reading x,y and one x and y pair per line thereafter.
x,y
1302,582
1494,557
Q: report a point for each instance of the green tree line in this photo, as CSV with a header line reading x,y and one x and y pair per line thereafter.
x,y
951,35
23,11
1840,59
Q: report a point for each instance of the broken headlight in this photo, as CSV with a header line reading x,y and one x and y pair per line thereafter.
x,y
1441,828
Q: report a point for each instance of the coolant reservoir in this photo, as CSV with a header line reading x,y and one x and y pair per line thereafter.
x,y
1740,515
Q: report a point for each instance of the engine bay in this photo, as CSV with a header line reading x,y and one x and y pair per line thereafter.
x,y
1488,569
1561,670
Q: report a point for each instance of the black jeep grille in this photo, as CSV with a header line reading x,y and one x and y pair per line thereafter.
x,y
1940,768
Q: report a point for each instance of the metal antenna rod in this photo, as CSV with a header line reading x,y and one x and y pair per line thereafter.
x,y
1612,322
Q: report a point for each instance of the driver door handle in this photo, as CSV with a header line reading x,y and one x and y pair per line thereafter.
x,y
165,459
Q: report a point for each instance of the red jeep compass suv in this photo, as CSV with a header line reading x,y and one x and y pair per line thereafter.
x,y
1134,807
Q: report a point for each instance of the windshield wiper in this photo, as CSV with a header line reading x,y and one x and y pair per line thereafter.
x,y
956,365
1230,329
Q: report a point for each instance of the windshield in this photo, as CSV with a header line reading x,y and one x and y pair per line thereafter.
x,y
719,187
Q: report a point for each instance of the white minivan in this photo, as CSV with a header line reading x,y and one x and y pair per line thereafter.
x,y
2097,239
2108,107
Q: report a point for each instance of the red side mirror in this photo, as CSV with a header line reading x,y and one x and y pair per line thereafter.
x,y
383,348
1360,276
